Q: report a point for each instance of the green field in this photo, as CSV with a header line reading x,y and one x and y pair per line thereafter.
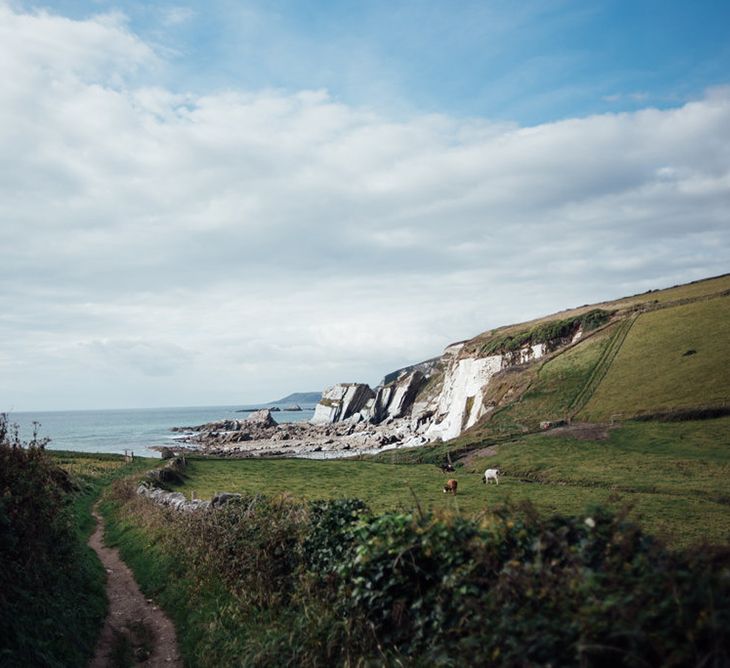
x,y
652,372
673,475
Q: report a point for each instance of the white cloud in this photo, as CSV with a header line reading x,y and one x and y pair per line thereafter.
x,y
235,246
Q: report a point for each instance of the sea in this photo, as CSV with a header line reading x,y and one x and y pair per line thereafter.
x,y
136,430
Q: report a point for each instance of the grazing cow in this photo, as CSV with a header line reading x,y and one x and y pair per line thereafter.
x,y
491,474
450,487
447,468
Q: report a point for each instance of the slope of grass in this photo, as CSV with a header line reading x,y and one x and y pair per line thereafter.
x,y
675,473
553,390
652,372
695,290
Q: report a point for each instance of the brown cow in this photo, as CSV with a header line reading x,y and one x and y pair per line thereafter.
x,y
450,487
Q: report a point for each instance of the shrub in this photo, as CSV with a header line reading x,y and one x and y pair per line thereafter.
x,y
328,583
251,544
523,590
550,333
331,533
47,582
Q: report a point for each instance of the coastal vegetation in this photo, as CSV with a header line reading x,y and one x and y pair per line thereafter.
x,y
274,580
546,332
50,581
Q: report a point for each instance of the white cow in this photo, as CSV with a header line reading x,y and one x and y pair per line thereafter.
x,y
491,474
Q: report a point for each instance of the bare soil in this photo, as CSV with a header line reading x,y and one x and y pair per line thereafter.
x,y
584,431
132,619
469,458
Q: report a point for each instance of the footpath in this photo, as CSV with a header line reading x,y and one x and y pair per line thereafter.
x,y
133,622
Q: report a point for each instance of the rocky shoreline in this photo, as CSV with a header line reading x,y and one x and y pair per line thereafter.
x,y
261,436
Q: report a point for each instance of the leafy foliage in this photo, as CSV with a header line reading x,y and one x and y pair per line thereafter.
x,y
329,583
48,583
330,536
561,591
550,333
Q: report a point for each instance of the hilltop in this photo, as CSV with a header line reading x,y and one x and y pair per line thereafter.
x,y
309,398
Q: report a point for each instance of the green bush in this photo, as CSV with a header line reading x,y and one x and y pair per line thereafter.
x,y
523,590
550,333
48,582
331,533
251,544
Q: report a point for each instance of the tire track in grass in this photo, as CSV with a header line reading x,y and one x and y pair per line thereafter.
x,y
602,366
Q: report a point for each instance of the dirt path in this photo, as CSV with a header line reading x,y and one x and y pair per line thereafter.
x,y
134,624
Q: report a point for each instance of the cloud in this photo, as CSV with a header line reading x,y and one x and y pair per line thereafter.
x,y
238,245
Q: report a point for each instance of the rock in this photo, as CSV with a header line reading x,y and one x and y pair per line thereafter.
x,y
396,399
262,418
223,498
341,401
294,408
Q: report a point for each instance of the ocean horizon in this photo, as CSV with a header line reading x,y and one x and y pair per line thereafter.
x,y
114,430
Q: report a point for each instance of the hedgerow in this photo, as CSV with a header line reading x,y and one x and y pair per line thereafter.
x,y
330,583
51,590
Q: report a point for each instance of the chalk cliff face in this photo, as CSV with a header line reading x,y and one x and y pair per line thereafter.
x,y
460,403
443,396
455,402
341,402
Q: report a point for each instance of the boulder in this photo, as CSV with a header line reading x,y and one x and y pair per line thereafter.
x,y
223,498
262,418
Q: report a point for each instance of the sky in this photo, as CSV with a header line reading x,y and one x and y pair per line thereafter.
x,y
225,202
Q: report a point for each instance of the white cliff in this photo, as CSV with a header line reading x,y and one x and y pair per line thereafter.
x,y
342,401
460,403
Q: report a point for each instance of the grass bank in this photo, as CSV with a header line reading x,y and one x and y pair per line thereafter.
x,y
672,359
673,474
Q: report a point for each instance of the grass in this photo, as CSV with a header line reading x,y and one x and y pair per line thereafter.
x,y
695,290
92,472
553,390
651,372
201,615
651,299
673,474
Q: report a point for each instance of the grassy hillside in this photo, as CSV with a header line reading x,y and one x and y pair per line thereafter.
x,y
554,387
674,358
661,351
